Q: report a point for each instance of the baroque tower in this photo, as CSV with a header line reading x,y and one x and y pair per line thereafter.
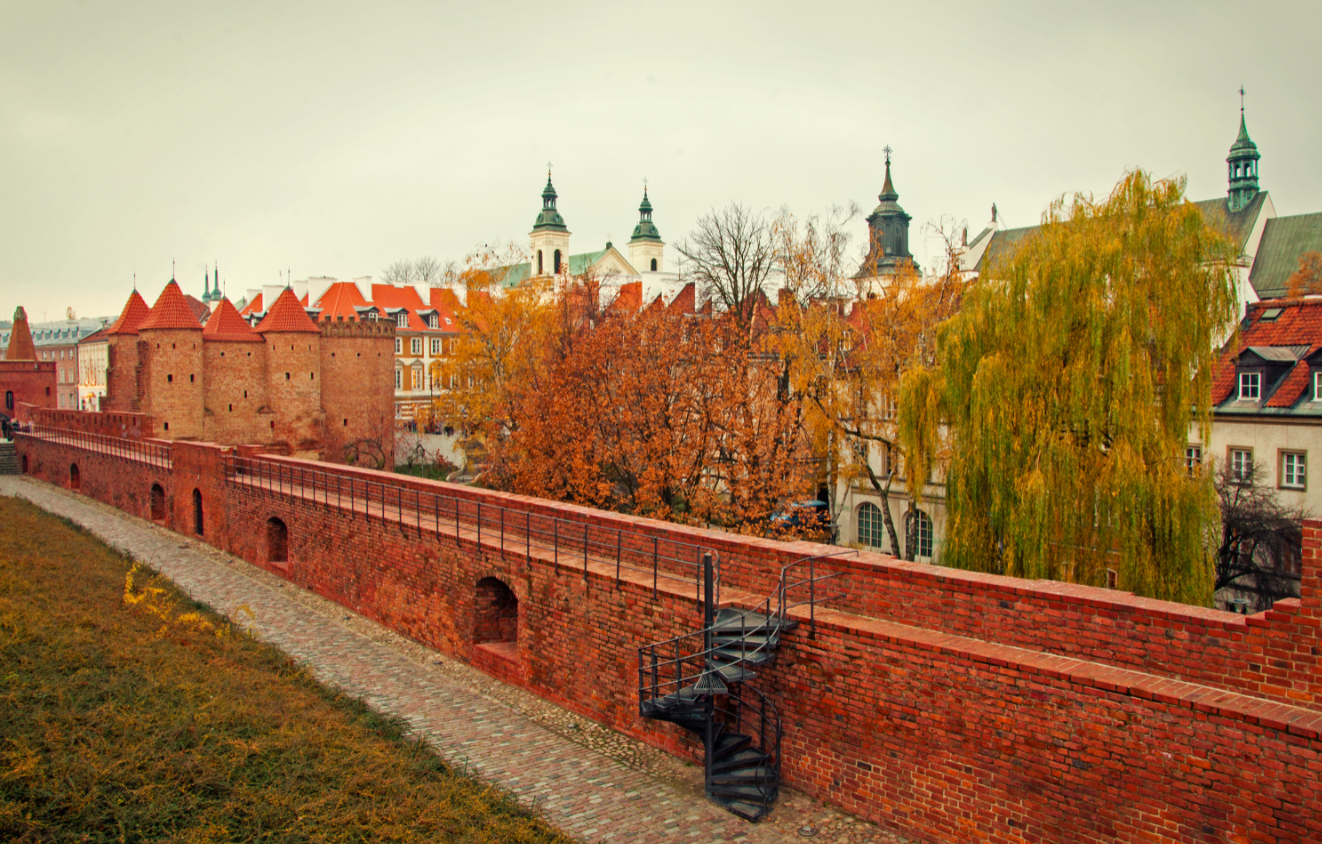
x,y
1242,166
888,233
550,236
646,249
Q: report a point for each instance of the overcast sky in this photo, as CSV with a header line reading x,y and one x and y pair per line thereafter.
x,y
333,138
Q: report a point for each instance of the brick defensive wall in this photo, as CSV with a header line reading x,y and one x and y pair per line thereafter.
x,y
961,706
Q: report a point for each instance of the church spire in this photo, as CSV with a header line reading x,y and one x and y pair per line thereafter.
x,y
646,229
1242,165
888,231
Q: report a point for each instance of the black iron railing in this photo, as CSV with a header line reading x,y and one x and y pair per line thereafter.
x,y
152,453
564,540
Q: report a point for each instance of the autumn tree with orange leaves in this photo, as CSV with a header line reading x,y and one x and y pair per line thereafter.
x,y
846,342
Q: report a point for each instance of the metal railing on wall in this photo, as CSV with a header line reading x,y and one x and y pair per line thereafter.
x,y
566,541
154,454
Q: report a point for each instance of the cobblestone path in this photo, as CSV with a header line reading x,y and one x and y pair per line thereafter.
x,y
590,794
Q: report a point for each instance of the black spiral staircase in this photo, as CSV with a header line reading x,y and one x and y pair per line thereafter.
x,y
699,682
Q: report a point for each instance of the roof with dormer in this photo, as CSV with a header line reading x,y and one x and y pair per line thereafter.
x,y
135,311
171,312
341,300
1282,339
226,325
286,315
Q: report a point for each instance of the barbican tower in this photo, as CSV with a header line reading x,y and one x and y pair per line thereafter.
x,y
888,233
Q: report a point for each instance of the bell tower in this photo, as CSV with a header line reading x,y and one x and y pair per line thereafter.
x,y
888,232
550,236
1242,166
646,249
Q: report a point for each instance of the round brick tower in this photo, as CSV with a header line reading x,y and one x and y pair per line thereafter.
x,y
235,389
122,392
293,372
170,359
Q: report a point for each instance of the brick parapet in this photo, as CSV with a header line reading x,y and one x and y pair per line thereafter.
x,y
960,730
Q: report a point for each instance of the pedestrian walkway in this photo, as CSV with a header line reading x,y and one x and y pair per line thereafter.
x,y
590,795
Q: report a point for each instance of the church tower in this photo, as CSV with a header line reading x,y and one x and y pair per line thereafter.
x,y
1242,166
550,237
646,249
888,233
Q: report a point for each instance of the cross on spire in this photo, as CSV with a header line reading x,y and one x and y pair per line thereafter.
x,y
1241,100
887,149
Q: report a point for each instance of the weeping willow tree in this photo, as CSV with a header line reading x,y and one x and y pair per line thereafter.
x,y
1064,395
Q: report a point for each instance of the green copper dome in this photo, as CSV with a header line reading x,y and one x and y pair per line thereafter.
x,y
645,230
549,219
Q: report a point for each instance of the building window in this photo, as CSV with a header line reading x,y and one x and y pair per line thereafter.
x,y
402,319
1193,457
653,265
557,262
539,262
416,346
1294,470
436,347
417,378
399,345
434,321
399,379
1317,386
1241,463
1250,386
871,529
919,527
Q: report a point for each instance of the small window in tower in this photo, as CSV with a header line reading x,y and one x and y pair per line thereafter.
x,y
167,426
190,378
557,262
286,376
653,265
231,408
539,262
272,424
245,394
169,379
312,376
346,423
173,346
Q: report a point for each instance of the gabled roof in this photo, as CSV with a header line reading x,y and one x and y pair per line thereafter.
x,y
1002,243
98,336
135,311
286,315
340,300
253,307
394,299
1284,239
201,311
20,338
686,301
1237,224
171,311
226,325
1282,336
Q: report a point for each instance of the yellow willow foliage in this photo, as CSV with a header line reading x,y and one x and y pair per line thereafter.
x,y
1066,388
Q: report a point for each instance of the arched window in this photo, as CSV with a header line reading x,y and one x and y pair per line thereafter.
x,y
197,512
557,262
277,541
653,265
918,530
539,262
157,503
871,527
9,399
496,613
75,479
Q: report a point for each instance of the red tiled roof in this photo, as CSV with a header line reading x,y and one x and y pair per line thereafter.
x,y
630,297
388,296
135,311
200,309
225,324
339,300
1299,324
286,314
253,307
171,311
685,301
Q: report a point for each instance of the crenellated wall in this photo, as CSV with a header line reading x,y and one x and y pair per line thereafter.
x,y
954,706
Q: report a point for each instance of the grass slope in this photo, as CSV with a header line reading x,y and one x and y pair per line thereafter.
x,y
125,722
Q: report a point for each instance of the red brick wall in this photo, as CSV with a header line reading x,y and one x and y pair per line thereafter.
x,y
293,385
172,380
31,382
954,706
358,384
121,374
234,392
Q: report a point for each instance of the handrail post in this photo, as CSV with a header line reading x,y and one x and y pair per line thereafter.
x,y
555,539
812,598
479,523
502,532
619,539
585,552
527,535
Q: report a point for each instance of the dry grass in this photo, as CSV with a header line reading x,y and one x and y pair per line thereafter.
x,y
123,721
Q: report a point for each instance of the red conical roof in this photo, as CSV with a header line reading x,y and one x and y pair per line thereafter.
x,y
286,314
226,324
20,338
135,311
170,311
